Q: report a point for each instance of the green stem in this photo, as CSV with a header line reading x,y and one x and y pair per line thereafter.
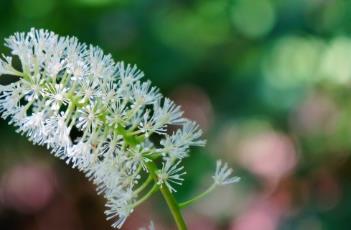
x,y
167,195
147,195
145,183
198,197
155,156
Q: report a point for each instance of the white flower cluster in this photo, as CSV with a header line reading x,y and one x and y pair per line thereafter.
x,y
97,115
93,113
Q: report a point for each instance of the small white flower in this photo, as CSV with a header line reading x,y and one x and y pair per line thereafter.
x,y
10,99
75,53
117,114
108,92
88,91
223,174
191,134
168,113
164,115
171,174
101,66
34,127
56,94
128,74
59,132
177,144
89,117
108,176
46,46
139,156
80,155
118,209
53,61
20,44
33,89
110,144
144,94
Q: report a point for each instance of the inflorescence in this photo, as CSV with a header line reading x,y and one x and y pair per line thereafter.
x,y
98,116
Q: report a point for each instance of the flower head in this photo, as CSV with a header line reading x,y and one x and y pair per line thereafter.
x,y
223,174
97,115
171,174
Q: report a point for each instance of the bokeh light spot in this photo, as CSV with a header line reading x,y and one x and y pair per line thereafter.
x,y
28,188
269,155
253,18
293,61
335,65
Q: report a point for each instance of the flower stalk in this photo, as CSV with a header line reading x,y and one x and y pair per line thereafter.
x,y
144,185
154,189
169,198
198,197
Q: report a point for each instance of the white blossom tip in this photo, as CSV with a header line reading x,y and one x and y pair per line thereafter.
x,y
223,174
170,175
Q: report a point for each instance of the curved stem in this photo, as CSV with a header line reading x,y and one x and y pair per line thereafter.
x,y
147,195
144,185
198,197
167,195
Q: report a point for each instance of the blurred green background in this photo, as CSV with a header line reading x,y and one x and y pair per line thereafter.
x,y
268,80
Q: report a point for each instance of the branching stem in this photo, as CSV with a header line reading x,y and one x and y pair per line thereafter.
x,y
144,185
147,195
198,197
169,198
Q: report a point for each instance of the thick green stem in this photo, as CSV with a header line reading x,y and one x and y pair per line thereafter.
x,y
167,195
